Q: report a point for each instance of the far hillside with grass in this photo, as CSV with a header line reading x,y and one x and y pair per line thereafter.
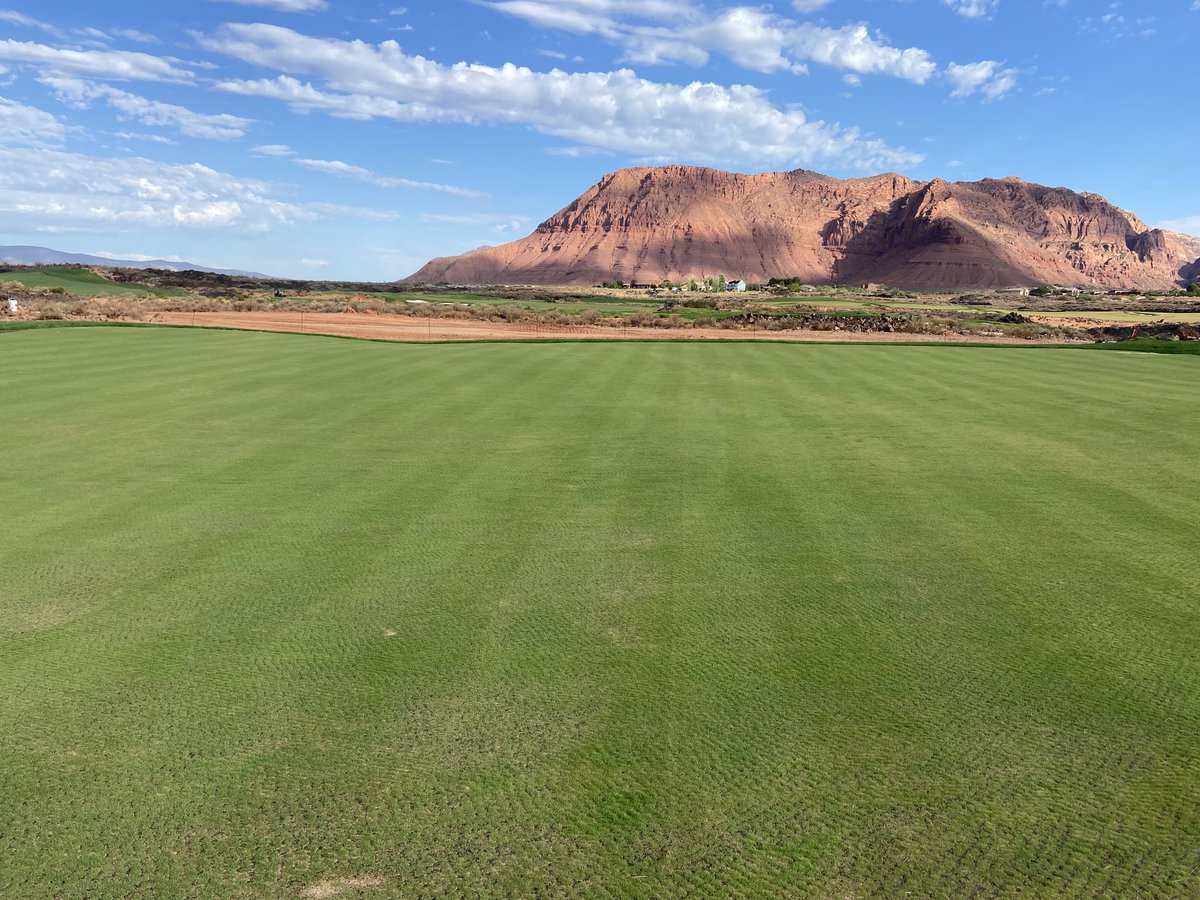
x,y
80,282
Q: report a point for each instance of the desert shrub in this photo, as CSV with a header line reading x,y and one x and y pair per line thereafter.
x,y
643,319
510,313
250,304
1028,332
120,309
369,304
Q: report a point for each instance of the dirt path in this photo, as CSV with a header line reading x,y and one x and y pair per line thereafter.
x,y
403,328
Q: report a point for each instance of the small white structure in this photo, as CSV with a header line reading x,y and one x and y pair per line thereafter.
x,y
11,305
738,286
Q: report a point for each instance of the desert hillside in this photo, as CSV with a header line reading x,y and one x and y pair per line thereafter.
x,y
645,224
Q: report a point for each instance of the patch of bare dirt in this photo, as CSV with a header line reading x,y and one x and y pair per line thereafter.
x,y
402,328
339,887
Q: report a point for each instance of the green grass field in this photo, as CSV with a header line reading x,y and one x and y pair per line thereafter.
x,y
595,620
1133,317
83,283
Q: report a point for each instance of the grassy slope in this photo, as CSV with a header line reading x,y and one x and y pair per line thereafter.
x,y
82,283
740,619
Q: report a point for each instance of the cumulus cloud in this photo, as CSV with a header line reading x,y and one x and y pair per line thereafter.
x,y
987,77
346,170
753,38
28,126
607,110
51,191
855,49
79,93
116,65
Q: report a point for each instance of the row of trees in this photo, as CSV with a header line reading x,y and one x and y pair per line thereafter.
x,y
709,283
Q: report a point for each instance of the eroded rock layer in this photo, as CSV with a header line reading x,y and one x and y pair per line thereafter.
x,y
679,222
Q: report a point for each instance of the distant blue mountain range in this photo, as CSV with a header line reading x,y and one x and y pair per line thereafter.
x,y
44,256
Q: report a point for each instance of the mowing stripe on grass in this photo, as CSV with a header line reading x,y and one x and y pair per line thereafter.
x,y
612,619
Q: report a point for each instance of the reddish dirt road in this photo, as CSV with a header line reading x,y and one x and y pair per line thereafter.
x,y
404,328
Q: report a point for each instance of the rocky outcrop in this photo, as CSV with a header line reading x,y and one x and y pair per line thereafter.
x,y
646,224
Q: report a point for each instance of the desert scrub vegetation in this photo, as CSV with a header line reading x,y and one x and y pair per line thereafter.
x,y
733,313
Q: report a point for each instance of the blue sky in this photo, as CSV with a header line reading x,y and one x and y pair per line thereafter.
x,y
319,138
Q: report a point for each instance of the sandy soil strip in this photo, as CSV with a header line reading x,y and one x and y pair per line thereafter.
x,y
403,328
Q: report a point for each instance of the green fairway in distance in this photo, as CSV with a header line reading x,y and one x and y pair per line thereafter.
x,y
595,620
83,283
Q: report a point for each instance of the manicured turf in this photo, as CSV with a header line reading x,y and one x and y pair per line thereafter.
x,y
83,283
595,620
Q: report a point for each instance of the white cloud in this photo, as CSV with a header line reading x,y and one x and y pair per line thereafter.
x,y
1188,224
134,257
153,138
26,125
132,34
221,127
119,65
987,77
496,221
273,150
55,191
285,5
853,48
12,17
973,9
346,170
606,110
342,211
753,38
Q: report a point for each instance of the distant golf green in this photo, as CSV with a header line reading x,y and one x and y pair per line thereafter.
x,y
83,283
284,615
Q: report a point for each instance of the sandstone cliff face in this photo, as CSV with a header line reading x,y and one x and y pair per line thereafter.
x,y
646,224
